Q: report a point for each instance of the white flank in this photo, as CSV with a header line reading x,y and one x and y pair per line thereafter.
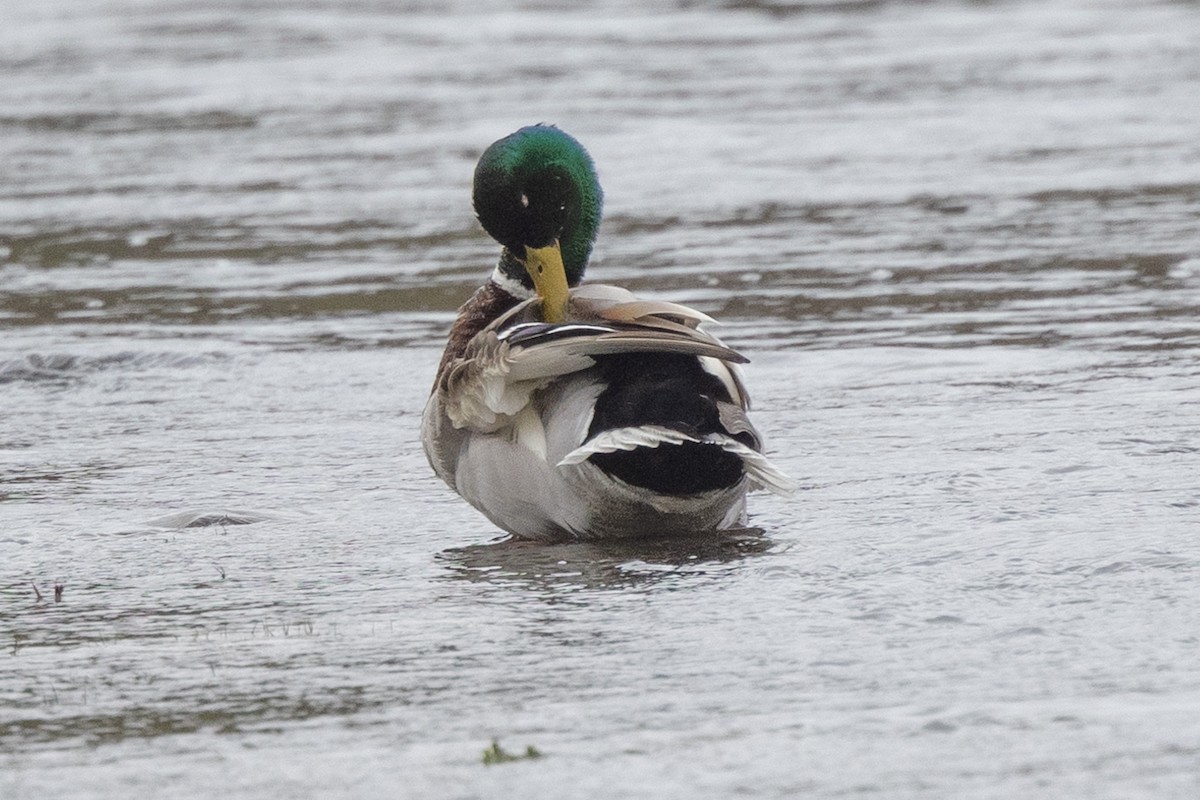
x,y
529,432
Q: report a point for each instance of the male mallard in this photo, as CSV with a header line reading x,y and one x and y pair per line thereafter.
x,y
568,411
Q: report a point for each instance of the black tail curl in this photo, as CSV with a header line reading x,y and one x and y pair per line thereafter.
x,y
673,391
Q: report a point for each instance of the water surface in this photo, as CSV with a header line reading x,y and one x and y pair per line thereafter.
x,y
959,241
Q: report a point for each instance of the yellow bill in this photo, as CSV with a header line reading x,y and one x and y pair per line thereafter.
x,y
545,267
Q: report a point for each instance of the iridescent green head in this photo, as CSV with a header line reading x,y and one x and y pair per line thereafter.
x,y
537,190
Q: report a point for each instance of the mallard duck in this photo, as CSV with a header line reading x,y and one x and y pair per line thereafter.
x,y
569,411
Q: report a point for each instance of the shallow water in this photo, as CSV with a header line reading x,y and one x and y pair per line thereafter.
x,y
959,241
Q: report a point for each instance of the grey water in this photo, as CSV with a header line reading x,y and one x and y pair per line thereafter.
x,y
959,241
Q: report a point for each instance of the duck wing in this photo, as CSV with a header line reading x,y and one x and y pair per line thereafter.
x,y
518,354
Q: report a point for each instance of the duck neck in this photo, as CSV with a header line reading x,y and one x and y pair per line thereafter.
x,y
510,277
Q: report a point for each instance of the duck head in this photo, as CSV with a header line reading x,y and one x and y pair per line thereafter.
x,y
536,193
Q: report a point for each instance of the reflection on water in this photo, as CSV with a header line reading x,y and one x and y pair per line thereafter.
x,y
611,565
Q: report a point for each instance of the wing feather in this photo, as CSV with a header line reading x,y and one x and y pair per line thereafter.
x,y
762,473
516,355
